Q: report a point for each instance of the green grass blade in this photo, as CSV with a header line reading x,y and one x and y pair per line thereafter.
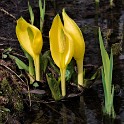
x,y
111,67
106,62
42,13
31,13
105,89
112,107
110,75
105,57
42,9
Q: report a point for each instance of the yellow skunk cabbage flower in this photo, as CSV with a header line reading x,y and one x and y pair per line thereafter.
x,y
30,38
62,49
79,45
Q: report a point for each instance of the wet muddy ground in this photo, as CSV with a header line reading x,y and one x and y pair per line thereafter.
x,y
86,109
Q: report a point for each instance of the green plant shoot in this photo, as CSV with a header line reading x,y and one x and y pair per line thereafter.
x,y
31,13
107,70
111,3
97,1
42,14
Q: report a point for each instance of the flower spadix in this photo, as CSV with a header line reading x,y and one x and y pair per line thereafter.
x,y
30,38
62,49
79,45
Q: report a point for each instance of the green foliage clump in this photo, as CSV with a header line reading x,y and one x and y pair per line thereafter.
x,y
107,70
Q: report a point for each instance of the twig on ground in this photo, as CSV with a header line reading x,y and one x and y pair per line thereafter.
x,y
7,13
13,73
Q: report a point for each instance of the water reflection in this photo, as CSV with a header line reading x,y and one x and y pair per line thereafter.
x,y
78,110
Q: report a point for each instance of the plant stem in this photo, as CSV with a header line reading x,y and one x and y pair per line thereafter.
x,y
63,87
37,67
31,65
80,72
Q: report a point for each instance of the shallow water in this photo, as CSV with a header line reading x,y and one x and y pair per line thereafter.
x,y
88,108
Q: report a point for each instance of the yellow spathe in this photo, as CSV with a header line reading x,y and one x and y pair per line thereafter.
x,y
61,44
74,31
79,45
61,47
30,37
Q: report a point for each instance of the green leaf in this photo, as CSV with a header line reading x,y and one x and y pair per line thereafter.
x,y
68,75
44,61
54,87
69,71
105,88
106,62
7,50
31,63
104,54
20,64
111,67
42,13
52,64
42,9
112,95
35,84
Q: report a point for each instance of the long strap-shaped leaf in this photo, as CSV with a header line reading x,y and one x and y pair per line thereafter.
x,y
106,64
20,64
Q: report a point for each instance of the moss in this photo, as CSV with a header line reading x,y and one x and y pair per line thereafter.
x,y
12,93
4,112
